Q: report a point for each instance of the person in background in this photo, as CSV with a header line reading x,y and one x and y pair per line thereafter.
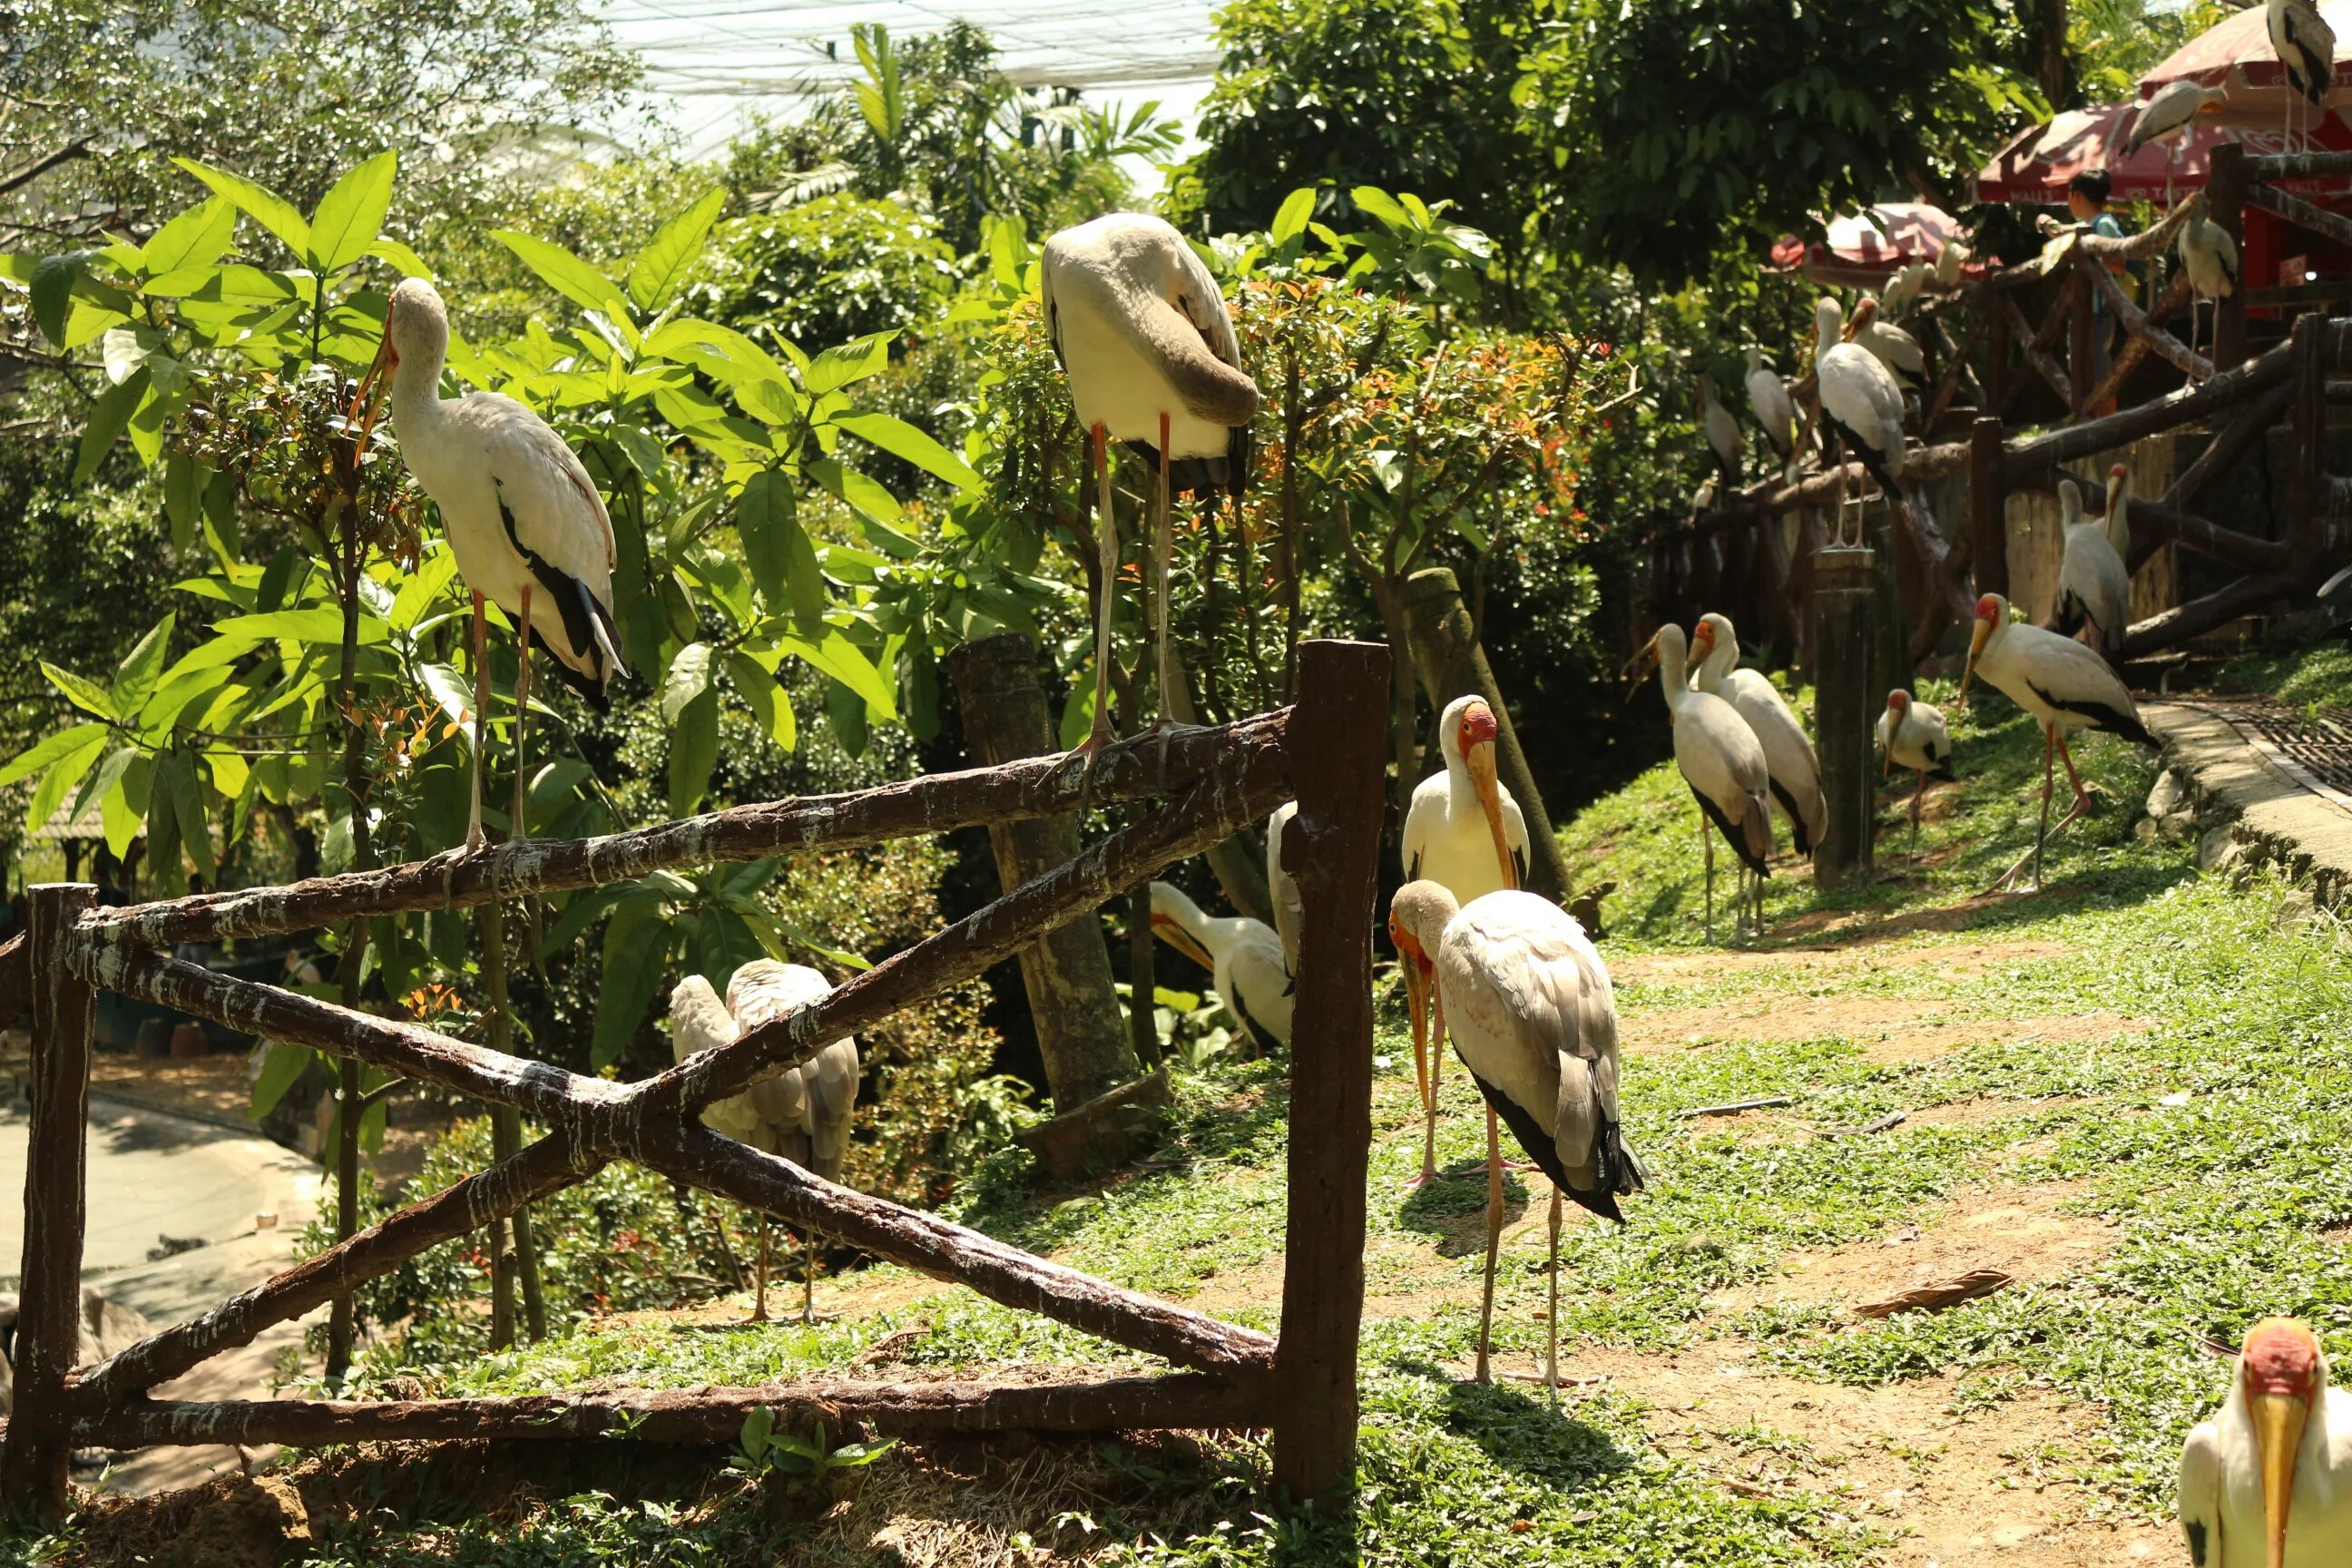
x,y
2086,199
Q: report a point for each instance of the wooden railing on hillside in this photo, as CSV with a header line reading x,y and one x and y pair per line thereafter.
x,y
1327,752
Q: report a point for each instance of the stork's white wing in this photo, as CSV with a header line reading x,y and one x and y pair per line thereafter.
x,y
557,515
1203,305
1421,819
1289,909
1259,982
2197,1506
699,1020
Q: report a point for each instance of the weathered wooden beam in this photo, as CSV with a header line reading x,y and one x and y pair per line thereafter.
x,y
2031,345
1333,848
1247,754
2249,426
1988,506
944,1250
2333,228
2147,241
2197,616
2080,351
1772,497
2028,458
546,1091
2296,165
705,1416
2207,538
2146,335
38,1448
547,1167
2306,515
1214,809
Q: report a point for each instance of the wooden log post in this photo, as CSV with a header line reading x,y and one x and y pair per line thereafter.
x,y
1066,972
1332,848
2307,481
38,1449
2082,348
1987,509
2225,194
1451,664
1846,701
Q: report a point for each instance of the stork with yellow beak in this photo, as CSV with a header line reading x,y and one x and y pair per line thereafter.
x,y
2267,1482
1465,833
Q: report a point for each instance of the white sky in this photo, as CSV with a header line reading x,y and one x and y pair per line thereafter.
x,y
711,65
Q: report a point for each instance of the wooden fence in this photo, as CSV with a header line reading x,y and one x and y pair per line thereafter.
x,y
1327,752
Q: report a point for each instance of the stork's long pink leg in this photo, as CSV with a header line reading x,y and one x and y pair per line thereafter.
x,y
516,832
1551,1318
474,836
1107,546
1494,1241
760,1279
1164,531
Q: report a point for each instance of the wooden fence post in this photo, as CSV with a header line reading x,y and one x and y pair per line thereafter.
x,y
2225,195
1451,664
34,1460
1337,745
1846,701
1987,509
2082,350
2306,481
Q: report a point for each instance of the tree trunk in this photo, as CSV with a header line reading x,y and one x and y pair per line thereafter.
x,y
1067,972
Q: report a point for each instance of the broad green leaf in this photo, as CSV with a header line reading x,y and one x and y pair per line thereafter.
x,y
317,626
661,268
44,751
901,440
423,586
847,365
636,951
1381,205
804,580
108,415
135,682
183,488
146,426
865,492
1079,715
53,281
689,677
739,356
693,752
723,944
125,805
767,698
839,657
564,272
586,909
266,208
81,691
179,770
94,788
763,512
455,696
846,711
63,774
197,237
406,261
1291,217
280,1070
345,225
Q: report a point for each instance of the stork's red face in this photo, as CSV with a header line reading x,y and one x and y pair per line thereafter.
x,y
1477,728
1476,735
1991,611
1165,928
1898,702
2280,1372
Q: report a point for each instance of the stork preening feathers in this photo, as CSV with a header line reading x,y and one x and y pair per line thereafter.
x,y
1767,399
803,1112
2094,588
1722,760
2267,1482
522,516
1153,361
1244,958
1795,771
1528,1003
2064,686
1912,735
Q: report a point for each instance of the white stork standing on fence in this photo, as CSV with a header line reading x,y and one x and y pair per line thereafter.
x,y
1153,361
2094,588
1243,957
1861,403
1528,1003
2305,46
1722,432
1281,887
2210,256
1768,400
1796,771
803,1113
2064,686
2167,117
2267,1482
1912,735
1465,832
1722,760
522,516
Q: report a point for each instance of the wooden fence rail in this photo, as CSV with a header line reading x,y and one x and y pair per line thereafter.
x,y
1328,753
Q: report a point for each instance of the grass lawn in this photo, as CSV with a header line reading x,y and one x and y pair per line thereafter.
x,y
2128,1091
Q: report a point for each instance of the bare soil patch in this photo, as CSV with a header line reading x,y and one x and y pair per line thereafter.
x,y
1826,959
1890,1030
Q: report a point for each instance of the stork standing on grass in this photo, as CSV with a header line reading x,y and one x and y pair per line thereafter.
x,y
1862,404
1796,771
2094,589
1528,1003
2305,46
2064,686
1153,361
1465,832
2267,1482
2210,256
1244,958
522,516
2167,117
803,1113
1912,735
1722,760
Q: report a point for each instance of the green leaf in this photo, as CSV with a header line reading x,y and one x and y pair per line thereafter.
x,y
43,752
449,690
108,415
125,805
1078,716
317,626
689,677
636,951
63,774
99,784
846,711
280,1070
53,280
197,237
901,440
805,580
661,268
266,208
766,697
564,272
183,488
345,225
847,365
403,260
693,752
81,691
723,944
839,657
864,491
1381,205
135,682
763,511
179,770
1291,217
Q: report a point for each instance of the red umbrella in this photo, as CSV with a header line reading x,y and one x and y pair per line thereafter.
x,y
2036,166
1866,250
2235,55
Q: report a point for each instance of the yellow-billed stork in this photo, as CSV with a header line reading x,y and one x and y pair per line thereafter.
x,y
1788,751
1861,403
2305,46
2094,589
1912,735
2167,117
1889,344
1768,400
1722,431
1243,957
1723,762
2267,1482
1281,887
2210,256
1527,1001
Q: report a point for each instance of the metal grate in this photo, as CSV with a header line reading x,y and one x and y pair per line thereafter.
x,y
2311,745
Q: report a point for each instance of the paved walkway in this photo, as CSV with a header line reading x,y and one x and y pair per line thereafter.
x,y
2258,788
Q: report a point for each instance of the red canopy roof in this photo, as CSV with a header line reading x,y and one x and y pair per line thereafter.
x,y
1864,248
2035,167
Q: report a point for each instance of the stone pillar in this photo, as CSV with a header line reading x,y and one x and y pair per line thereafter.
x,y
1846,701
1080,1030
